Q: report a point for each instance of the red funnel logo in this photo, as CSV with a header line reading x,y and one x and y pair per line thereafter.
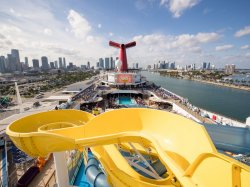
x,y
123,56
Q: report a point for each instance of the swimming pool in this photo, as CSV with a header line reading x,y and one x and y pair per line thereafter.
x,y
126,101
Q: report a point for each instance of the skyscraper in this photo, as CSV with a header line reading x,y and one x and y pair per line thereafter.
x,y
26,61
112,64
60,62
2,64
11,63
45,63
35,63
204,65
56,64
137,65
52,65
208,66
64,62
101,63
172,65
16,60
88,65
106,63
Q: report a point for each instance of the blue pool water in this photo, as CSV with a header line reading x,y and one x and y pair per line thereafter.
x,y
125,101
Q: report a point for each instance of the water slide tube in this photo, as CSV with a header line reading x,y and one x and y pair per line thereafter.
x,y
183,146
94,175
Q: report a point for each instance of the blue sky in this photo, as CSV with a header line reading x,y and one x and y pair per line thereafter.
x,y
184,31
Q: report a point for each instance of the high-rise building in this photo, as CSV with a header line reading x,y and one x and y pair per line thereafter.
x,y
2,64
137,65
35,63
52,65
112,63
64,62
60,63
88,65
71,66
172,65
101,63
106,63
26,62
229,69
11,63
97,64
208,66
193,67
16,60
204,65
56,64
45,63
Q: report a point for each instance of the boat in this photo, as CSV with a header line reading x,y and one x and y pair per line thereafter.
x,y
135,137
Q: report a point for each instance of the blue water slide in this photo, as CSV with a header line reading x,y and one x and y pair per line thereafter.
x,y
227,138
94,174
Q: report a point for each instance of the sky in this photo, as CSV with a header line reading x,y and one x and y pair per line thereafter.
x,y
184,31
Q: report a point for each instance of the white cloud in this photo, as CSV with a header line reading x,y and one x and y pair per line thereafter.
x,y
177,7
47,31
79,25
223,47
243,32
245,47
99,25
184,48
111,34
247,55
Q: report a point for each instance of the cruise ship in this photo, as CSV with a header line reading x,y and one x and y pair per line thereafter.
x,y
121,130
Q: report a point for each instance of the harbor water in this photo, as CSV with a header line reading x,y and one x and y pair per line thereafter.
x,y
232,103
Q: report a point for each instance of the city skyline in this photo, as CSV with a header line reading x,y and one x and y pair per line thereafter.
x,y
187,32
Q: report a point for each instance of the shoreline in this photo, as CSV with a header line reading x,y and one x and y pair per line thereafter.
x,y
223,85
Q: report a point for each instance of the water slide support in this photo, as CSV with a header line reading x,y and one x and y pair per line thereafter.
x,y
62,177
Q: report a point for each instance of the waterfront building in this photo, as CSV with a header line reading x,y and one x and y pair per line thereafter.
x,y
208,66
193,67
60,63
45,63
204,65
229,69
172,65
35,63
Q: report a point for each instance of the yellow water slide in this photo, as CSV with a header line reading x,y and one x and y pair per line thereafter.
x,y
183,146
